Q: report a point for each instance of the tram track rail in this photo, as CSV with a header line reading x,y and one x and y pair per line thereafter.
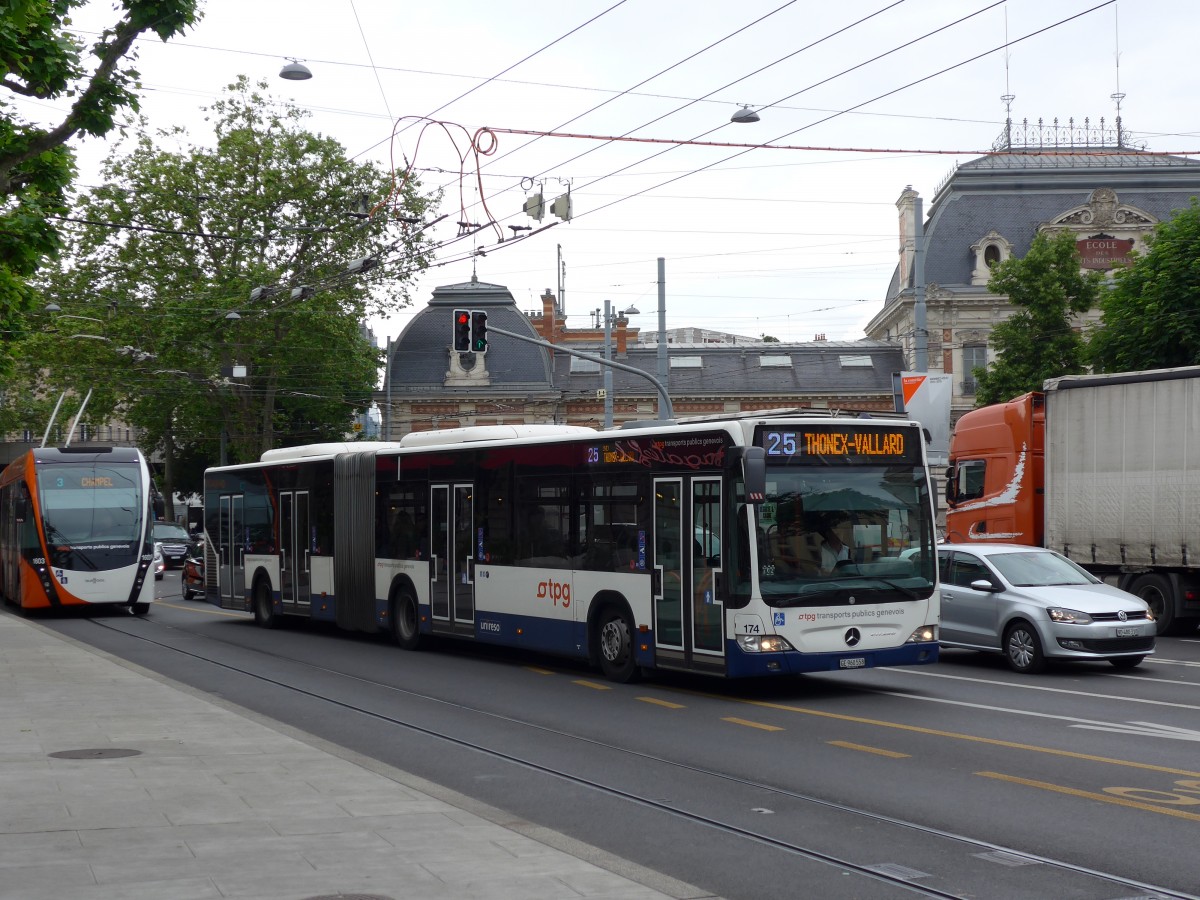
x,y
874,873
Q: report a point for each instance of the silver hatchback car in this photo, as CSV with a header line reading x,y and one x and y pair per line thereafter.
x,y
1033,604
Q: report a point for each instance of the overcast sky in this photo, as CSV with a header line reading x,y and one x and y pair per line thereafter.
x,y
786,242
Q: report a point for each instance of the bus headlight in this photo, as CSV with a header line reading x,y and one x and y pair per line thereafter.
x,y
767,643
923,635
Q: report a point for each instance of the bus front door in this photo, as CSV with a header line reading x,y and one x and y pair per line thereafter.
x,y
294,550
688,612
231,551
452,573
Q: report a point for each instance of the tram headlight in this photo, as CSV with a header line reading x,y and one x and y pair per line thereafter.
x,y
767,643
923,635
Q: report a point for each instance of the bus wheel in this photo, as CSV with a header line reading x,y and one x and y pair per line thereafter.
x,y
140,609
264,607
404,620
616,647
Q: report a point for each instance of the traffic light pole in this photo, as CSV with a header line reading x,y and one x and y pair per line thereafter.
x,y
665,411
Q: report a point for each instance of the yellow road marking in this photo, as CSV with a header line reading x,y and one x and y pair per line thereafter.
x,y
935,732
211,610
750,724
877,750
538,671
593,685
1090,795
667,703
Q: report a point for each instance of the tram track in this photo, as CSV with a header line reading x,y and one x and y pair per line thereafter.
x,y
879,874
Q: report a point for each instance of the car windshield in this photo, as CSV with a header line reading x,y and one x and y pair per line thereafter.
x,y
169,531
1039,569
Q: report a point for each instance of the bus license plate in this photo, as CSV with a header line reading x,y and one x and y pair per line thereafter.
x,y
854,662
1127,632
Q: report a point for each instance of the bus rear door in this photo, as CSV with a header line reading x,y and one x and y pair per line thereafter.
x,y
452,572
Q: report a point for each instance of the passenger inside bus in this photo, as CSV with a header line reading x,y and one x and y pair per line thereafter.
x,y
795,548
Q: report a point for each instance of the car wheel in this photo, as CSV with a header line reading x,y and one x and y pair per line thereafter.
x,y
140,609
1023,649
1126,662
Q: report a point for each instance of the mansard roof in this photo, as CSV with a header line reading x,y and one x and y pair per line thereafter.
x,y
419,360
1015,193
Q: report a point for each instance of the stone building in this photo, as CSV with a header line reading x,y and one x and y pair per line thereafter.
x,y
427,385
1084,180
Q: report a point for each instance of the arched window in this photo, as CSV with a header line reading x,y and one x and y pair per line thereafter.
x,y
991,256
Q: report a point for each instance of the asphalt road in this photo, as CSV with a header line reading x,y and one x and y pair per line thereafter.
x,y
960,779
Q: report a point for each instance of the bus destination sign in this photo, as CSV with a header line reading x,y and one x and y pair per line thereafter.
x,y
694,452
850,443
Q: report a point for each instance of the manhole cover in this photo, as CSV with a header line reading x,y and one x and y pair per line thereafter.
x,y
97,753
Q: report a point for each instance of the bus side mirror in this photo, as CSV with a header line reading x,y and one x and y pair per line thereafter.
x,y
754,473
951,474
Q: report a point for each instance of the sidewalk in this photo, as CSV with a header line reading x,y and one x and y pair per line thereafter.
x,y
165,794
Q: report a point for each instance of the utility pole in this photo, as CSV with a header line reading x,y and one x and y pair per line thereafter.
x,y
921,343
663,374
608,381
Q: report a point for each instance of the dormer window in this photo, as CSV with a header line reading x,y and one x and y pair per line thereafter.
x,y
988,252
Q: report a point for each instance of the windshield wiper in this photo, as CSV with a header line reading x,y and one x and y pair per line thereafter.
x,y
904,589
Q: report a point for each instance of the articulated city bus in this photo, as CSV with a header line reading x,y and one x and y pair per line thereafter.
x,y
752,546
75,529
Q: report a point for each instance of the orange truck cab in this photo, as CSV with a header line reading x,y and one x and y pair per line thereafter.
x,y
995,486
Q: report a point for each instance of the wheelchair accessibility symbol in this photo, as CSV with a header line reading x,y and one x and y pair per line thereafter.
x,y
777,619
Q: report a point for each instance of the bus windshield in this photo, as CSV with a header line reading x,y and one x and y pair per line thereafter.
x,y
859,534
92,514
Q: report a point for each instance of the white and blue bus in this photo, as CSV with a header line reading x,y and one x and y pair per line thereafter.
x,y
768,544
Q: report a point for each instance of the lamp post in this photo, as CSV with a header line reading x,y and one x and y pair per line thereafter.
x,y
608,387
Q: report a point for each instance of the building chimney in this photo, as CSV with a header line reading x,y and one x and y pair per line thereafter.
x,y
908,231
621,334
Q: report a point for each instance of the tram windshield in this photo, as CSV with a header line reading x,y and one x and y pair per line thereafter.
x,y
854,534
92,514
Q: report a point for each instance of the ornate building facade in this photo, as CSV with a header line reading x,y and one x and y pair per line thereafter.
x,y
1084,180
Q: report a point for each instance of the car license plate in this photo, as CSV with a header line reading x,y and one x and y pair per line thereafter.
x,y
1128,632
853,662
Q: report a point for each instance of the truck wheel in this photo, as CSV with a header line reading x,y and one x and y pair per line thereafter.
x,y
1156,591
1023,649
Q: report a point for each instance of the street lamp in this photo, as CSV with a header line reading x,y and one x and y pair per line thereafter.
x,y
295,71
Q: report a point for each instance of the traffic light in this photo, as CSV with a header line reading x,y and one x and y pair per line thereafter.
x,y
479,331
462,330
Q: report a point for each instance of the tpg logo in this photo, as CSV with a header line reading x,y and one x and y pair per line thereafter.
x,y
556,591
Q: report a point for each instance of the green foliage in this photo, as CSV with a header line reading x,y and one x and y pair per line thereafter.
x,y
39,58
261,207
1151,316
1039,340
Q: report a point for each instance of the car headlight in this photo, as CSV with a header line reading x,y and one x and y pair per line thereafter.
x,y
767,643
1068,616
923,635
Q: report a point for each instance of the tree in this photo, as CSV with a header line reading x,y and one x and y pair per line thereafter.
x,y
1151,316
39,58
1039,340
199,258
